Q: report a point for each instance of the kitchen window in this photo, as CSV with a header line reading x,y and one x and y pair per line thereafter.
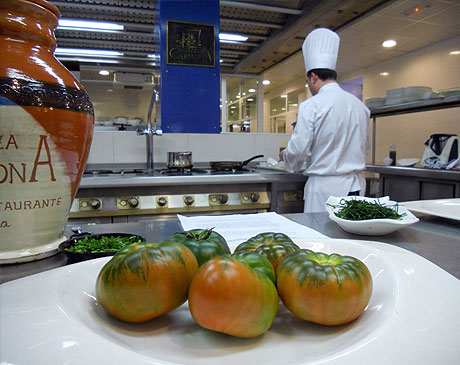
x,y
240,104
283,110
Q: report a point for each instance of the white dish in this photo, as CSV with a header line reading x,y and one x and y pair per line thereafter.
x,y
445,208
407,162
370,227
53,317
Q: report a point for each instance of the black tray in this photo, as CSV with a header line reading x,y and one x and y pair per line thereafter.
x,y
82,256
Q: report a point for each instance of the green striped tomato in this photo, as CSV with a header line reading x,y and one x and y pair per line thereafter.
x,y
204,243
229,296
325,289
274,246
145,280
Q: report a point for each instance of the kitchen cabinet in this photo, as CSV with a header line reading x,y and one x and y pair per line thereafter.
x,y
414,183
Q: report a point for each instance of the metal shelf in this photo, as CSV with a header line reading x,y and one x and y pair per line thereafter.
x,y
417,106
407,108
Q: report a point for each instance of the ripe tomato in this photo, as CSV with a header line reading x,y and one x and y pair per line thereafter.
x,y
274,246
325,289
145,280
204,243
229,296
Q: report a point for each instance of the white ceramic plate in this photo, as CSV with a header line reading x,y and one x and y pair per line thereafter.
x,y
407,162
445,208
370,227
412,317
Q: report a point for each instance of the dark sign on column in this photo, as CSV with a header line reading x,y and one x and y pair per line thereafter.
x,y
190,44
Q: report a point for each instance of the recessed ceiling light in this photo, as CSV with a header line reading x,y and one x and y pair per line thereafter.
x,y
284,96
95,60
384,73
225,37
86,52
70,24
266,82
389,43
252,90
455,53
104,72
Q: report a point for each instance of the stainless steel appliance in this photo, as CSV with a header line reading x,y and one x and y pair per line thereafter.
x,y
124,195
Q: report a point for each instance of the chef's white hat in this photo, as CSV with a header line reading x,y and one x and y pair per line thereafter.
x,y
320,49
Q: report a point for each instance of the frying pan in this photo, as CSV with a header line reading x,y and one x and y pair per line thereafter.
x,y
232,165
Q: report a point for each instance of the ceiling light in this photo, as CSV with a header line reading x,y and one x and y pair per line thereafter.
x,y
455,53
250,99
284,96
252,90
156,56
224,37
96,60
86,52
266,82
384,73
69,24
389,43
104,72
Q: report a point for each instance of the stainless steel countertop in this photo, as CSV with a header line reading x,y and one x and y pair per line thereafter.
x,y
129,180
420,172
436,239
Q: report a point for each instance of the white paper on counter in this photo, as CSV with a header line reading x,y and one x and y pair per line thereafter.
x,y
237,228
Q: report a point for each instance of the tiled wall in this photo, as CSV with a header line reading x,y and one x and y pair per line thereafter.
x,y
128,147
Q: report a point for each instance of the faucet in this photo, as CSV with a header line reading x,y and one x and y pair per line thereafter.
x,y
150,131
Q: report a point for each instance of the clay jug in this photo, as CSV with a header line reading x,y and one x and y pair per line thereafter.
x,y
46,127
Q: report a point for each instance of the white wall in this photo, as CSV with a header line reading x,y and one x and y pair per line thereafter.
x,y
431,66
128,147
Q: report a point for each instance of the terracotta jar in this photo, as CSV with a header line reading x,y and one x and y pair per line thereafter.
x,y
46,127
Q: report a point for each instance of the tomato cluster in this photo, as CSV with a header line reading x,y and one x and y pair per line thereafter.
x,y
234,294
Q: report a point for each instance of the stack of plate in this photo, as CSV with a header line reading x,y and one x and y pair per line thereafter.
x,y
395,96
373,103
414,93
451,91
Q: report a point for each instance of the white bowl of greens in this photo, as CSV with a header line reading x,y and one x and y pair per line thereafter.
x,y
368,216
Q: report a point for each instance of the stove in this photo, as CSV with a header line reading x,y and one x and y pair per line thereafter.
x,y
167,192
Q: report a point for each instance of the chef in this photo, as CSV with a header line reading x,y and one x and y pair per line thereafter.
x,y
332,129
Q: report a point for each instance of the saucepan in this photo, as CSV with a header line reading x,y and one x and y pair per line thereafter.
x,y
180,160
232,165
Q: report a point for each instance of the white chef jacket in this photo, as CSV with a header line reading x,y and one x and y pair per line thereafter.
x,y
332,136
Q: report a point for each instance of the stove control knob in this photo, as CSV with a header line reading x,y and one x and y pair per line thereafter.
x,y
162,201
189,200
95,203
133,202
254,197
223,198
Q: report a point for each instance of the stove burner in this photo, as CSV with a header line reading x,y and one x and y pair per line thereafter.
x,y
182,171
226,171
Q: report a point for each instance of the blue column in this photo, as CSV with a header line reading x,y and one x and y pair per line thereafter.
x,y
190,78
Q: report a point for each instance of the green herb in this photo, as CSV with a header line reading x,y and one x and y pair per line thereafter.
x,y
357,210
103,244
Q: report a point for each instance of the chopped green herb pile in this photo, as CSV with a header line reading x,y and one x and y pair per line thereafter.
x,y
357,210
103,244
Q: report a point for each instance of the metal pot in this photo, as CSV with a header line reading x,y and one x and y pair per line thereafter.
x,y
180,160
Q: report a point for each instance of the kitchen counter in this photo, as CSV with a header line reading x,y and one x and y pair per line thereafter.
x,y
422,172
436,239
255,175
415,183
